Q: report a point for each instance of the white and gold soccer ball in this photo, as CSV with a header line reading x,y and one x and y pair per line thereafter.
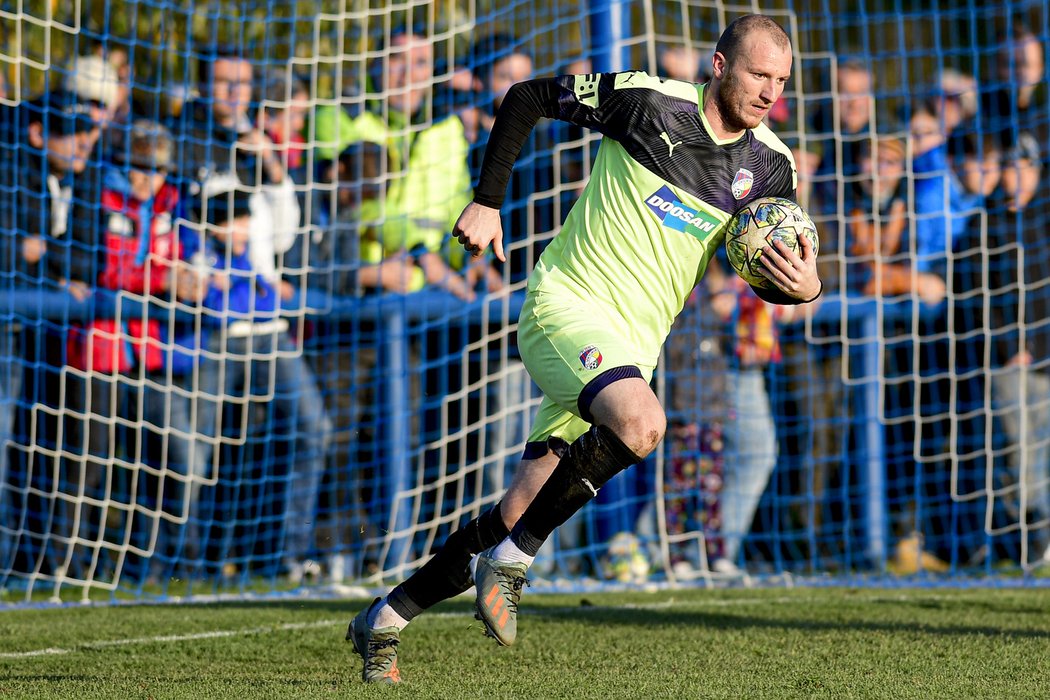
x,y
758,225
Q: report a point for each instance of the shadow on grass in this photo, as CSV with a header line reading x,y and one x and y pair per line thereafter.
x,y
728,621
718,620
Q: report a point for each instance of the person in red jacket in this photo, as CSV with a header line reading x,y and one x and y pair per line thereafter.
x,y
113,357
138,204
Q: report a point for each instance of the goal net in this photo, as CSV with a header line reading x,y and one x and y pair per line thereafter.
x,y
242,354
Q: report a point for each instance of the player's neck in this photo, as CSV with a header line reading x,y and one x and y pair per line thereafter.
x,y
713,115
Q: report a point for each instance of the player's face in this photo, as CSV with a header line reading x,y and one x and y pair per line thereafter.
x,y
749,87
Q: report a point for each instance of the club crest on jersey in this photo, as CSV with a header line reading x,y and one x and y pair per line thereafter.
x,y
742,183
673,214
590,357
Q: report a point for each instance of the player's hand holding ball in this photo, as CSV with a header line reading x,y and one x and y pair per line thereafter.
x,y
772,244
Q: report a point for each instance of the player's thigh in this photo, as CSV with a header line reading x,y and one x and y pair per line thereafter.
x,y
567,345
553,423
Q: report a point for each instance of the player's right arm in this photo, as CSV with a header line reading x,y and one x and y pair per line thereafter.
x,y
523,106
585,100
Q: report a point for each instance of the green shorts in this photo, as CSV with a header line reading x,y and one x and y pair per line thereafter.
x,y
572,350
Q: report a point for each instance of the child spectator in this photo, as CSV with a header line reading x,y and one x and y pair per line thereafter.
x,y
117,355
877,226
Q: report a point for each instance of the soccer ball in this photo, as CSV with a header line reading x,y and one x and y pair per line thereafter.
x,y
759,224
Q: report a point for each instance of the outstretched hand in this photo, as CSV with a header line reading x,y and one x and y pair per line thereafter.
x,y
478,226
794,274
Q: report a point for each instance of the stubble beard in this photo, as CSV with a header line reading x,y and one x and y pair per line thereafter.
x,y
729,97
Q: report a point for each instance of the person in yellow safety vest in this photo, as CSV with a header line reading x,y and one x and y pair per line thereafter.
x,y
422,170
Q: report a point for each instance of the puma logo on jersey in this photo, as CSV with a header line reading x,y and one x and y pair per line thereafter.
x,y
589,485
670,146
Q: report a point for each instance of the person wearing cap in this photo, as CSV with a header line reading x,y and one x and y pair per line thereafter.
x,y
96,81
60,193
259,363
50,226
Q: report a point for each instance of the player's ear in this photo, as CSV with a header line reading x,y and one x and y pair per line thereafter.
x,y
719,65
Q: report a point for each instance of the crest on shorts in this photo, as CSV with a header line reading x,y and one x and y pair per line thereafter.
x,y
590,357
742,183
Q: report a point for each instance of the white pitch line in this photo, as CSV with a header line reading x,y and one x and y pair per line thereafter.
x,y
162,639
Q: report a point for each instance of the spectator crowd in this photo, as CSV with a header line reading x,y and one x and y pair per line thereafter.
x,y
179,397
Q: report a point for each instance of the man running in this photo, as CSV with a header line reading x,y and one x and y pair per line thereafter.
x,y
677,161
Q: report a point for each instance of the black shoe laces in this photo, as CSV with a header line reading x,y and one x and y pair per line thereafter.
x,y
513,585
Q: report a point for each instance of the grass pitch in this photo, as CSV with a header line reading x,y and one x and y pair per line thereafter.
x,y
767,643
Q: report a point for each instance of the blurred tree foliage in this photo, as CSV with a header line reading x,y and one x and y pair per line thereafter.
x,y
165,38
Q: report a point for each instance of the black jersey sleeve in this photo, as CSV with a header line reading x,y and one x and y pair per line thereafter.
x,y
594,101
524,105
775,296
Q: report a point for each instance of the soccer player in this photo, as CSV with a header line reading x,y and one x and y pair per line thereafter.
x,y
678,159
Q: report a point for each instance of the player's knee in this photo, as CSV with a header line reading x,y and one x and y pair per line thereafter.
x,y
642,431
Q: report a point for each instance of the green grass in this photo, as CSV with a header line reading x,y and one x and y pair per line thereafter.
x,y
767,643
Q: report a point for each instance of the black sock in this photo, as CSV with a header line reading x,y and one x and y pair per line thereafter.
x,y
597,456
447,574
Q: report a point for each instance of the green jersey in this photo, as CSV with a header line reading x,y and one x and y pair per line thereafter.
x,y
660,194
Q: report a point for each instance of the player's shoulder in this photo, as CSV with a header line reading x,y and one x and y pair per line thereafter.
x,y
640,80
765,136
